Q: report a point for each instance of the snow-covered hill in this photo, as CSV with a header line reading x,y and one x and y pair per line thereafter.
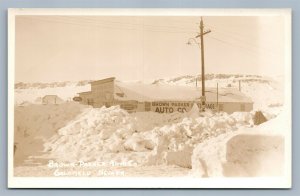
x,y
39,85
264,91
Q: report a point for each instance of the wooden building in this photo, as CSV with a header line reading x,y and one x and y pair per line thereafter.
x,y
162,98
51,99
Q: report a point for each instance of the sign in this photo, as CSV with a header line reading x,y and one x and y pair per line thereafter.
x,y
182,107
77,99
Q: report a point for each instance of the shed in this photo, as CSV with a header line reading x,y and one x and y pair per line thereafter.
x,y
51,99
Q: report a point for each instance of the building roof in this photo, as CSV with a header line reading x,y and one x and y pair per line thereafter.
x,y
163,92
50,96
103,81
85,93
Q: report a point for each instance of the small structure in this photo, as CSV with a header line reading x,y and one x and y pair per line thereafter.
x,y
51,99
38,100
86,97
259,118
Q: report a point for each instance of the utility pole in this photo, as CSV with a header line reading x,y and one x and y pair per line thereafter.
x,y
218,97
202,33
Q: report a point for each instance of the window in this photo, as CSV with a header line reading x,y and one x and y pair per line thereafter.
x,y
107,104
147,106
128,106
221,107
120,94
90,101
242,107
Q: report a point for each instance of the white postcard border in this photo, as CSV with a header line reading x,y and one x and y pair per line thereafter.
x,y
141,182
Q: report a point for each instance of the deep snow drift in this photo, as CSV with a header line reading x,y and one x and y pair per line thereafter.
x,y
35,124
257,151
71,132
98,132
243,154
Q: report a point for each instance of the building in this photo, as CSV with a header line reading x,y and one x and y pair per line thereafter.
x,y
51,99
86,98
162,98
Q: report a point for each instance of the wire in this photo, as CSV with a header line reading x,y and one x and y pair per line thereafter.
x,y
146,25
257,52
103,25
250,44
107,24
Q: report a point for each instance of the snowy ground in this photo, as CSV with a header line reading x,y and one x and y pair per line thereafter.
x,y
70,139
137,144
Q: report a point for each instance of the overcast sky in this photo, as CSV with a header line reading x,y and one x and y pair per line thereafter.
x,y
72,48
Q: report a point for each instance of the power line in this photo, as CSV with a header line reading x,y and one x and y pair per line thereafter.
x,y
225,30
159,27
137,27
250,44
109,26
250,51
178,27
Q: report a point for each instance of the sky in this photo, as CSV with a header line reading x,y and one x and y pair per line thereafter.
x,y
73,48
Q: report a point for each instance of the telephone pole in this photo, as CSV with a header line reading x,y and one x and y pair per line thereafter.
x,y
201,34
201,45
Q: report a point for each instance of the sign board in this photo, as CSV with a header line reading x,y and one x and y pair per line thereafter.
x,y
170,107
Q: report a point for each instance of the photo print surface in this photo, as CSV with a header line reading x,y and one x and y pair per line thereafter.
x,y
146,98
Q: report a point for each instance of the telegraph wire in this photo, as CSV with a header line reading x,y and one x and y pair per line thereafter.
x,y
227,34
106,26
250,51
102,24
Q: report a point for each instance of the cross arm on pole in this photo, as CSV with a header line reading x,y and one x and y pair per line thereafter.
x,y
206,32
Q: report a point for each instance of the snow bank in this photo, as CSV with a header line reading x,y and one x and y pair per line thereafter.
x,y
255,155
180,158
208,143
163,138
100,131
278,125
35,124
94,131
258,151
174,143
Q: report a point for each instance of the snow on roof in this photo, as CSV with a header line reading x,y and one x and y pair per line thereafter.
x,y
164,92
50,96
85,93
103,81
